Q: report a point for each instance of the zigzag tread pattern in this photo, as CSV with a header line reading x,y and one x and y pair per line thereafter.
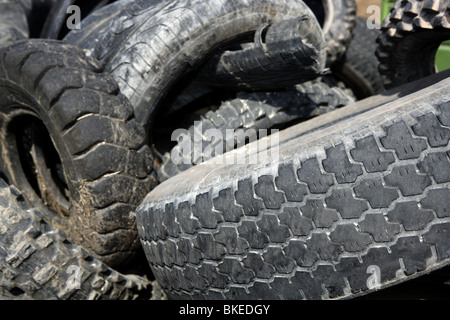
x,y
378,220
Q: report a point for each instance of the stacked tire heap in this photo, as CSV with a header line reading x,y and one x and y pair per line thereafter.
x,y
358,200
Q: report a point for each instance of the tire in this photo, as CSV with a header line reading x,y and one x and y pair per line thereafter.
x,y
71,143
257,111
358,68
38,263
338,19
291,51
197,31
345,209
13,22
410,36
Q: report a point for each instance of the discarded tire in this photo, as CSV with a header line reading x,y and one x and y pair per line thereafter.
x,y
257,111
197,31
410,36
284,53
37,262
349,208
70,142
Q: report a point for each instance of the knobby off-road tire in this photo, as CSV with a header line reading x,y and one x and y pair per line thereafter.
x,y
410,36
150,46
358,68
349,208
70,142
257,111
13,21
37,261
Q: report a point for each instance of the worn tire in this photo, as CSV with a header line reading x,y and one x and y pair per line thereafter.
x,y
350,207
70,142
358,68
148,57
13,22
410,36
257,111
37,262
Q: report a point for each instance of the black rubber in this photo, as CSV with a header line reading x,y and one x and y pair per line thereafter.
x,y
348,208
283,54
37,262
358,68
13,21
148,57
410,36
338,19
258,110
70,142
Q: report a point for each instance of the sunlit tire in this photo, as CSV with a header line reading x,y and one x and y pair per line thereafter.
x,y
349,203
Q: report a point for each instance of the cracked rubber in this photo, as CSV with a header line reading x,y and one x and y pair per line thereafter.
x,y
345,209
292,51
147,56
13,21
105,159
410,36
38,263
258,111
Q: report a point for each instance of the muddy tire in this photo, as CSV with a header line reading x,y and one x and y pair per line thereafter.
x,y
37,262
70,142
346,208
410,36
13,22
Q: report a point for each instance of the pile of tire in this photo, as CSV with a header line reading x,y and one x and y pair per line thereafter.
x,y
353,198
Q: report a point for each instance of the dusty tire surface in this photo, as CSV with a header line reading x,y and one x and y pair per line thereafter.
x,y
37,262
70,142
348,208
410,36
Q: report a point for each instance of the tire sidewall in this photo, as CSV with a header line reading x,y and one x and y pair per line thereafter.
x,y
18,102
